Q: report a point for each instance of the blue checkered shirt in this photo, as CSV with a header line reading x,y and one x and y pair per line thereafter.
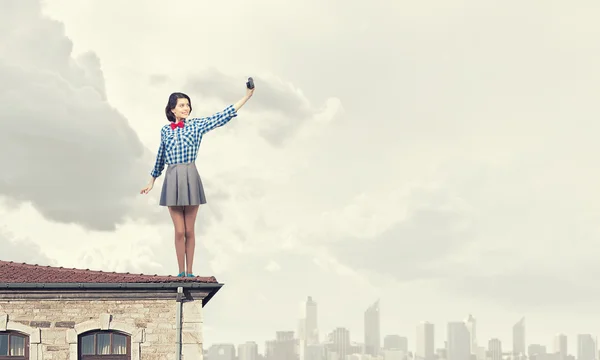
x,y
180,145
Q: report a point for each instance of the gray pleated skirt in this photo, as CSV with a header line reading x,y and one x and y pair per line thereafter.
x,y
182,186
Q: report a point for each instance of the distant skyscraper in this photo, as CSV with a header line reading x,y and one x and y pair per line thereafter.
x,y
393,355
587,348
560,346
372,330
536,351
480,353
519,344
472,328
311,327
395,342
441,353
284,347
221,352
314,352
459,341
248,351
425,341
495,349
270,346
302,329
339,342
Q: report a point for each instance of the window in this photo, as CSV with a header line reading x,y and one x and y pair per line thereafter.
x,y
14,346
104,345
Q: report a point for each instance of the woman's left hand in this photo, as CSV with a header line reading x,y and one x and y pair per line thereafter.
x,y
238,105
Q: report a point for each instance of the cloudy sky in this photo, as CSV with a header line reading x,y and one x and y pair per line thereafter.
x,y
439,155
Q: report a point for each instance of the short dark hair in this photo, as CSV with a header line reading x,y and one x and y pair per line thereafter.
x,y
173,102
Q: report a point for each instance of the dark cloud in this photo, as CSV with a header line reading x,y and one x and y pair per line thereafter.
x,y
417,247
282,109
530,288
273,96
65,149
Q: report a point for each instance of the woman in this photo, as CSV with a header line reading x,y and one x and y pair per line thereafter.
x,y
182,190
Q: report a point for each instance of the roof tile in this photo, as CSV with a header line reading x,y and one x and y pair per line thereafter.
x,y
11,272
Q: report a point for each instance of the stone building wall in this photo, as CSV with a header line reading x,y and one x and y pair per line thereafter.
x,y
53,326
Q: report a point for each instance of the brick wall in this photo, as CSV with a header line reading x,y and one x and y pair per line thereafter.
x,y
54,325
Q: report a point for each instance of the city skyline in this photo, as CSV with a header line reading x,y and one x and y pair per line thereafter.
x,y
566,344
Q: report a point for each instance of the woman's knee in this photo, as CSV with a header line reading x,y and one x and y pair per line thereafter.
x,y
189,233
179,233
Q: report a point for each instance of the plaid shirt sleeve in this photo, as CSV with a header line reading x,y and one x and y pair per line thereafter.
x,y
160,157
216,120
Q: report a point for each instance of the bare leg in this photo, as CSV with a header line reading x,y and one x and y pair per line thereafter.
x,y
189,214
179,224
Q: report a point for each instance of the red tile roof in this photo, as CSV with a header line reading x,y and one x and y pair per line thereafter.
x,y
11,272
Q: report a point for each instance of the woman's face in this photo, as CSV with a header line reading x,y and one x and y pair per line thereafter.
x,y
182,109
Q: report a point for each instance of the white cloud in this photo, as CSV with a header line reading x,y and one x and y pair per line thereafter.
x,y
15,248
130,248
68,152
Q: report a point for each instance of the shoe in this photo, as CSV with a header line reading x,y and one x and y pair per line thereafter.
x,y
191,275
181,274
